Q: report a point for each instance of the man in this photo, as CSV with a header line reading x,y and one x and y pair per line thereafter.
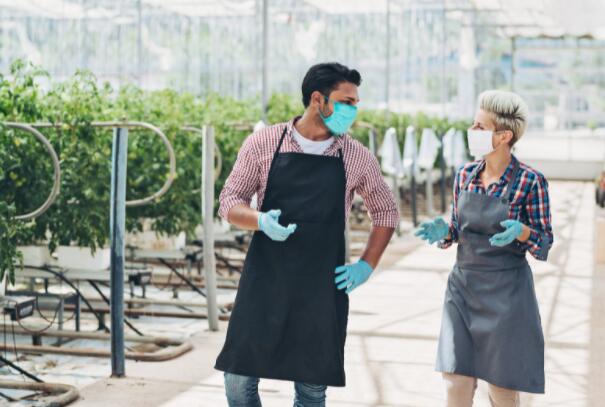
x,y
290,315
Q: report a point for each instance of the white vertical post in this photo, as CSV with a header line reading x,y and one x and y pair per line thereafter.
x,y
208,219
139,44
430,208
443,60
513,49
387,80
372,141
397,200
347,241
265,59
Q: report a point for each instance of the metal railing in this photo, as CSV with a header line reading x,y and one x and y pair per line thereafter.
x,y
56,169
133,125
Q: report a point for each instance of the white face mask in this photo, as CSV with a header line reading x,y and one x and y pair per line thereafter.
x,y
480,142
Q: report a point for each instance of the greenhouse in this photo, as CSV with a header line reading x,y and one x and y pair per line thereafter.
x,y
301,202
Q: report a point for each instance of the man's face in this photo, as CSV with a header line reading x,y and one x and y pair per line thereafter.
x,y
345,92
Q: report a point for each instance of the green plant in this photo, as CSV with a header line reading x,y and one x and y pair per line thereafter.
x,y
23,181
81,213
282,107
9,233
179,209
232,120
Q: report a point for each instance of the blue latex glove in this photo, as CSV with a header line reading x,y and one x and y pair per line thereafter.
x,y
268,222
433,231
351,276
514,229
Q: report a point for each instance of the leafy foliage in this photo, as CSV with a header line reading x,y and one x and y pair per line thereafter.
x,y
81,213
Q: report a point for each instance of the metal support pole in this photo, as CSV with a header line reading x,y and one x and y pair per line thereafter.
x,y
513,49
443,61
208,219
442,183
78,312
60,317
413,192
397,193
387,80
265,59
117,222
372,142
139,44
430,207
347,241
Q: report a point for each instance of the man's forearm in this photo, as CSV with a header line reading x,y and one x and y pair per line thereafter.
x,y
243,217
377,243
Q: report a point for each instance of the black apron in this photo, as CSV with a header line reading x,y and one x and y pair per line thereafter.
x,y
491,326
289,320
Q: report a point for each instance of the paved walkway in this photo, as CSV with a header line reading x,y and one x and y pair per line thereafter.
x,y
393,330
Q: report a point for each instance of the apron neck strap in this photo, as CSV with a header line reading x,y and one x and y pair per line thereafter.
x,y
472,176
281,140
509,185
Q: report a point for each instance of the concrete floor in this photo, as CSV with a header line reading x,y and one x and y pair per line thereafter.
x,y
394,323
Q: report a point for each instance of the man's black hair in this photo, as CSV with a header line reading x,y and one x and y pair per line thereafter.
x,y
325,78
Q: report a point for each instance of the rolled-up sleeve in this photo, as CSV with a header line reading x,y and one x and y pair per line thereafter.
x,y
538,213
243,181
377,196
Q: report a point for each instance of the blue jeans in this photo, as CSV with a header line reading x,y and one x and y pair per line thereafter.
x,y
242,391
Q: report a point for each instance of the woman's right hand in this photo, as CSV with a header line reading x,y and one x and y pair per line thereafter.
x,y
433,231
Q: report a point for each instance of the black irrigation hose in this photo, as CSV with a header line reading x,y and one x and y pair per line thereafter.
x,y
39,331
69,283
228,264
73,314
20,370
182,277
7,397
189,283
167,285
104,297
223,259
237,245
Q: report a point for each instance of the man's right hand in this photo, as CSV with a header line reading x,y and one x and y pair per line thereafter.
x,y
268,222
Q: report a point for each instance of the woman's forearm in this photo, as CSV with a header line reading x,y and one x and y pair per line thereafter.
x,y
525,234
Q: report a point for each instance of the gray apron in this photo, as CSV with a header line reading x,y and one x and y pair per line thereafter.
x,y
491,326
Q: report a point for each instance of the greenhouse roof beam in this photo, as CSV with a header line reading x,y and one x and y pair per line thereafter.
x,y
355,7
206,8
548,18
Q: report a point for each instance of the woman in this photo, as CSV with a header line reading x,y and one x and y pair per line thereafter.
x,y
491,326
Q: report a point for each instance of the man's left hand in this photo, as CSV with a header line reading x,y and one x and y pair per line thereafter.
x,y
351,276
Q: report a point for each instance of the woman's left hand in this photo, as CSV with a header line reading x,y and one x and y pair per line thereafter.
x,y
514,230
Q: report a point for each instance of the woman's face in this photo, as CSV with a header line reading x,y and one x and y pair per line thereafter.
x,y
483,121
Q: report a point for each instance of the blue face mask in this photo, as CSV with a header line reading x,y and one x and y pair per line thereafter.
x,y
341,119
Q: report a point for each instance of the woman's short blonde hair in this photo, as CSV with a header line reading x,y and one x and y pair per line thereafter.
x,y
509,111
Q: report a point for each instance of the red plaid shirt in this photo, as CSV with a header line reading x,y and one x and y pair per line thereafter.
x,y
530,205
251,170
